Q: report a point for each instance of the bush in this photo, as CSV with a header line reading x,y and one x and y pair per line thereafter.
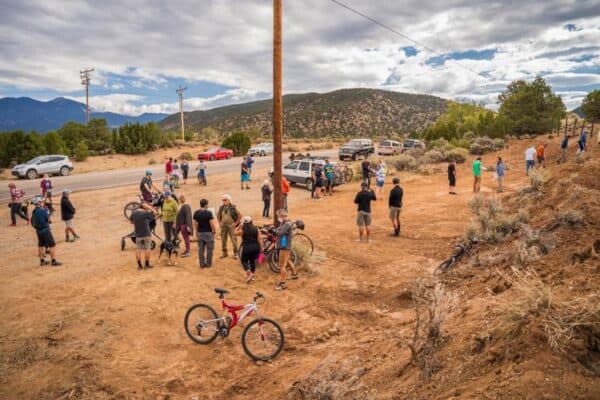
x,y
152,161
186,156
406,162
440,144
81,151
433,156
239,142
539,177
458,155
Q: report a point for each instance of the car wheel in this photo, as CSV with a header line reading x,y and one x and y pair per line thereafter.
x,y
31,174
262,154
228,156
64,171
212,158
354,157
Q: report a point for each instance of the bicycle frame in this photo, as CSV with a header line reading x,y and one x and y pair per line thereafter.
x,y
232,310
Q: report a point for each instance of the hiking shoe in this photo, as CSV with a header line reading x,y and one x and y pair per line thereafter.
x,y
235,257
43,263
223,256
56,263
281,286
293,277
148,266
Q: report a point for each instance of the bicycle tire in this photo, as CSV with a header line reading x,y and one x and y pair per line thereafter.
x,y
446,265
279,345
213,315
303,240
130,208
274,260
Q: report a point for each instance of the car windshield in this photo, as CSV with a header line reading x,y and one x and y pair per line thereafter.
x,y
34,160
212,150
384,143
353,143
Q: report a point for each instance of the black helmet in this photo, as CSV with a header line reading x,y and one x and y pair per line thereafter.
x,y
300,224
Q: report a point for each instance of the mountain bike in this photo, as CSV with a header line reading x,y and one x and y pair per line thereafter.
x,y
461,249
262,338
157,202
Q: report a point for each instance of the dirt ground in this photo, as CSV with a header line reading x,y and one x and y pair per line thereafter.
x,y
97,328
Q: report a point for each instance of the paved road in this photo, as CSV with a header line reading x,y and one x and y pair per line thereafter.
x,y
132,176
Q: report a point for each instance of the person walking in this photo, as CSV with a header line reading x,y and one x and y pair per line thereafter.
x,y
45,185
185,169
329,170
540,155
529,159
266,191
201,173
205,231
284,247
229,218
500,174
183,224
251,246
40,220
141,219
582,142
564,150
380,178
452,177
244,176
363,219
16,204
395,205
67,213
477,175
169,166
169,215
285,192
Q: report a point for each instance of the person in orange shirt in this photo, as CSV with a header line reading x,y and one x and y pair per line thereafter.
x,y
540,155
285,190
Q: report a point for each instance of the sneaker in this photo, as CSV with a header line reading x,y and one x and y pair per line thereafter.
x,y
186,254
223,256
13,225
148,266
56,263
43,263
281,286
235,257
293,277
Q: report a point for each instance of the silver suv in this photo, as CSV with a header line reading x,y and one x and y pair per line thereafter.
x,y
300,171
51,165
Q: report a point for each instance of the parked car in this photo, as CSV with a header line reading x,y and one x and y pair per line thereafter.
x,y
300,171
216,153
412,144
261,149
51,165
355,148
389,148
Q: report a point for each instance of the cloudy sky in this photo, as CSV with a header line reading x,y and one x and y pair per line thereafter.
x,y
221,49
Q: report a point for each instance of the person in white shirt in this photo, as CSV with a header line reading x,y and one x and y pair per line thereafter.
x,y
529,159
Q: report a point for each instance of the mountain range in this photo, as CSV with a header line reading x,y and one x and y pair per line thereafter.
x,y
24,113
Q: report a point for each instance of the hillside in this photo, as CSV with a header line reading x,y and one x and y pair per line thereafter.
x,y
362,112
27,114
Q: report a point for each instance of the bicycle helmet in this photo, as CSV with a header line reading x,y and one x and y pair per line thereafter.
x,y
148,172
300,224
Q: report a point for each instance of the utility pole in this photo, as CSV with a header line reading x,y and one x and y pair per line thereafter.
x,y
566,124
84,74
180,93
277,105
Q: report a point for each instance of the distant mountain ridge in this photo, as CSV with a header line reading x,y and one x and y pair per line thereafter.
x,y
28,114
356,112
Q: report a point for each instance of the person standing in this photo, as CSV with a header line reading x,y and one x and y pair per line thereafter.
x,y
168,185
529,159
229,218
45,185
201,173
564,148
40,220
285,191
380,178
266,191
477,175
205,231
183,224
540,155
251,246
185,168
244,175
582,142
16,206
284,247
395,205
249,163
363,219
318,181
67,213
452,177
500,174
169,215
141,220
329,175
366,172
169,166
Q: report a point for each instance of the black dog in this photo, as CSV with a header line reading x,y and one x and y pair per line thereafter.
x,y
171,248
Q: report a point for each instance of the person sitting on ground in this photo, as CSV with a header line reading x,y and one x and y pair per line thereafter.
x,y
452,177
40,221
229,218
284,246
201,172
540,155
16,204
45,185
328,169
363,219
395,205
146,187
169,215
500,174
266,191
529,159
67,213
183,224
477,175
141,219
205,230
251,246
244,175
564,150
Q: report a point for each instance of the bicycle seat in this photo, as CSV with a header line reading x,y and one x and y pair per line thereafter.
x,y
221,292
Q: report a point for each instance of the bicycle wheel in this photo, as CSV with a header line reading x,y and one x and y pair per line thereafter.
x,y
274,260
201,323
262,339
303,242
130,208
445,265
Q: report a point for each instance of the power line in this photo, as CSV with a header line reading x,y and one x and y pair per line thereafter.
x,y
84,74
402,35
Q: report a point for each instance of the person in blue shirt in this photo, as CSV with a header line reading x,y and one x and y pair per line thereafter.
x,y
564,147
582,142
500,174
40,221
249,162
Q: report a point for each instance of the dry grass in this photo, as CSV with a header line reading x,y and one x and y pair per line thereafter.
x,y
539,178
491,224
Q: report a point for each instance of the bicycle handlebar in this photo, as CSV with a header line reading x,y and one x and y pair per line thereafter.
x,y
258,296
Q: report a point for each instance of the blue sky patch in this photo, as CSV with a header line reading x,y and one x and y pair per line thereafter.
x,y
486,54
572,27
410,51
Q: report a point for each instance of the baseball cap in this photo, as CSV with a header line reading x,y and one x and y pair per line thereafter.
x,y
226,197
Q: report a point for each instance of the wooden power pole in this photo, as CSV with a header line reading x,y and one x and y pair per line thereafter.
x,y
84,74
180,93
277,104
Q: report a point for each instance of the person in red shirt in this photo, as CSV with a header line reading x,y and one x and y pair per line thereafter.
x,y
16,206
169,166
45,185
285,191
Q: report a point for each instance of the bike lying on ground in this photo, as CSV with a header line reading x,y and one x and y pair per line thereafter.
x,y
262,338
461,249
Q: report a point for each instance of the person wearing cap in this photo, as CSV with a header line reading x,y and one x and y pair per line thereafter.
x,y
205,230
16,204
285,233
251,246
142,219
363,219
67,213
40,220
395,205
146,187
183,224
169,216
229,218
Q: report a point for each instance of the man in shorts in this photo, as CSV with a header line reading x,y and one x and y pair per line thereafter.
x,y
67,213
141,220
285,232
540,155
395,204
329,174
249,163
40,220
363,219
477,175
244,174
201,173
318,181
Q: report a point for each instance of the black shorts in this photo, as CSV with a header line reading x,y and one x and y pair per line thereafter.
x,y
45,238
452,180
319,183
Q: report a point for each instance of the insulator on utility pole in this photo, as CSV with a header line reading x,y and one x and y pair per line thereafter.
x,y
84,74
180,93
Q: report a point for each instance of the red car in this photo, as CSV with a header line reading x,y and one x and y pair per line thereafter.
x,y
216,153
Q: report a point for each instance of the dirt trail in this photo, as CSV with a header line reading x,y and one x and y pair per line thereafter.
x,y
98,328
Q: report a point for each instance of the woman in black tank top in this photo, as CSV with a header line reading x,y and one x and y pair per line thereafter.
x,y
251,246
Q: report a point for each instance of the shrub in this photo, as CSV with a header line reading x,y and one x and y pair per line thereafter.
x,y
440,144
458,155
406,162
152,161
484,144
239,142
433,156
539,177
570,218
81,151
186,156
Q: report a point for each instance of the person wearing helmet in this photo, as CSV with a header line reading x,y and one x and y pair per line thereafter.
x,y
146,187
16,206
251,246
67,213
40,220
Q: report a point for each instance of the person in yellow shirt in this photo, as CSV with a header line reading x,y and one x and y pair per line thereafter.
x,y
169,215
